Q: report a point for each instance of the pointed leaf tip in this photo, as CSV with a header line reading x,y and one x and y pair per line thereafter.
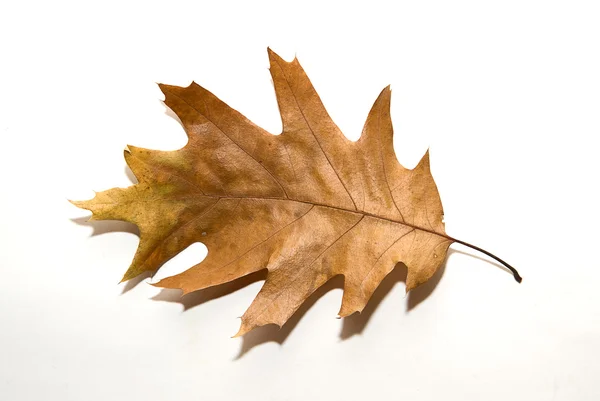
x,y
424,162
385,95
275,58
244,328
170,89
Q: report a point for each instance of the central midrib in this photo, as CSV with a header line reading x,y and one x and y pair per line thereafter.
x,y
358,212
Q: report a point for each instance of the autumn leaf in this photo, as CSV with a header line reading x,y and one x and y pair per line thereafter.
x,y
307,204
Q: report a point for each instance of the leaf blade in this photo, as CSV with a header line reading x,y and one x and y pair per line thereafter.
x,y
307,204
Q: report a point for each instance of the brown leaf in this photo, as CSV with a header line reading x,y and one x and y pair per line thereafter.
x,y
307,205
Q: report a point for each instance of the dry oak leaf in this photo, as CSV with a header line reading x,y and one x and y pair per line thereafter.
x,y
307,204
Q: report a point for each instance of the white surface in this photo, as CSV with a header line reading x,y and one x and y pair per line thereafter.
x,y
507,97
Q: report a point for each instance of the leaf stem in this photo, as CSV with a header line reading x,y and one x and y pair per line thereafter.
x,y
514,271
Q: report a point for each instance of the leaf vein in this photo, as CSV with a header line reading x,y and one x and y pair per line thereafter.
x,y
315,136
234,142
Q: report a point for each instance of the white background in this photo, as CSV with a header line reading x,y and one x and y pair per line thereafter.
x,y
507,96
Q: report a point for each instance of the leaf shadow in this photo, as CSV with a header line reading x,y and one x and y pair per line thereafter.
x,y
260,335
272,333
131,284
130,176
100,227
357,322
170,113
196,298
351,325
